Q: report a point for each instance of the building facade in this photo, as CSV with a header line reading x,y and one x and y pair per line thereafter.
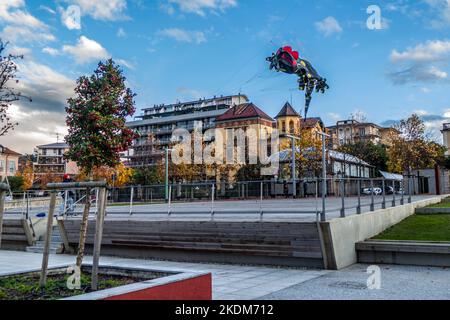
x,y
155,126
50,160
352,131
9,162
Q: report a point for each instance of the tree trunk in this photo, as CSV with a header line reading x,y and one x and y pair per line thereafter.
x,y
83,229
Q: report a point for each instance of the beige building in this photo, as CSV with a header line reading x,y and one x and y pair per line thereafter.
x,y
351,131
9,162
50,160
248,122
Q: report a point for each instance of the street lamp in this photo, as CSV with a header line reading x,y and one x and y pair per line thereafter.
x,y
167,150
324,168
293,169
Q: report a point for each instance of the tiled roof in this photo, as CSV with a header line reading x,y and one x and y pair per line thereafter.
x,y
59,145
244,111
9,151
311,122
287,111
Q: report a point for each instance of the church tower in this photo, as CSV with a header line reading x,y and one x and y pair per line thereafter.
x,y
288,120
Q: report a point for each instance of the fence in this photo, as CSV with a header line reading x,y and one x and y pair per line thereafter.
x,y
343,195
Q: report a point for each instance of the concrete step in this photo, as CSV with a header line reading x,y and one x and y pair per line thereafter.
x,y
41,250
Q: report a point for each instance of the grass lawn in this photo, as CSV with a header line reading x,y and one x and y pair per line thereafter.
x,y
420,228
445,204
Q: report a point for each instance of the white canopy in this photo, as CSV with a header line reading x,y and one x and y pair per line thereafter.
x,y
391,176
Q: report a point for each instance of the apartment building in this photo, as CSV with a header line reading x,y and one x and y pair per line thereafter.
x,y
351,131
50,160
9,162
155,126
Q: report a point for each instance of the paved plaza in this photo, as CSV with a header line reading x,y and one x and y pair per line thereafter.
x,y
233,282
304,209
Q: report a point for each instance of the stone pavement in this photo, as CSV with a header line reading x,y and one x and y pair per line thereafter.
x,y
232,282
397,283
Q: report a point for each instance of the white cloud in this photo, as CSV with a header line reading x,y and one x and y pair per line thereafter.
x,y
329,26
442,9
21,26
200,7
429,51
182,35
418,73
121,33
421,63
86,50
106,10
40,119
125,63
19,34
51,51
47,9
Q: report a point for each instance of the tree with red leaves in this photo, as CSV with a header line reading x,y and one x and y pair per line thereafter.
x,y
96,118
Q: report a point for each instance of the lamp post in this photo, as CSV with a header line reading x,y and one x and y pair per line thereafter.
x,y
324,173
166,180
324,136
293,168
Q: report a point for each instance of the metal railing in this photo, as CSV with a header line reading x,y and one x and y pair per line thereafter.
x,y
339,197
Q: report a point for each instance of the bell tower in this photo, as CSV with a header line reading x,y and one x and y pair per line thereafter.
x,y
288,120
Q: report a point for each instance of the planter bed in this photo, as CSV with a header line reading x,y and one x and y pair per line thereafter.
x,y
115,283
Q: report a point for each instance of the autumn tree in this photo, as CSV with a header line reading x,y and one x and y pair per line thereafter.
x,y
96,119
411,150
117,177
367,151
28,175
8,84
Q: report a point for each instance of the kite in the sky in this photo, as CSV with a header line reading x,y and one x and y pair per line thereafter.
x,y
288,61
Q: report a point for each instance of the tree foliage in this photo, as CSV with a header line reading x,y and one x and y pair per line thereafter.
x,y
8,84
96,118
411,150
369,152
118,177
27,173
147,175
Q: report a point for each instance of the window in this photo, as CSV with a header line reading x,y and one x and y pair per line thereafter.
x,y
291,127
12,167
283,126
2,165
362,132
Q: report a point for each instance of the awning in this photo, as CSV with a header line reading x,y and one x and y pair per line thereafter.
x,y
391,176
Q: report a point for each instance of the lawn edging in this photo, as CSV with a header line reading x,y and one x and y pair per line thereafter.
x,y
340,235
419,253
433,210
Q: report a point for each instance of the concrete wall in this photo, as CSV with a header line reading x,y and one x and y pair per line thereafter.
x,y
340,235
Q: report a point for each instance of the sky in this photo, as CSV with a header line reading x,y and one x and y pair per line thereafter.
x,y
188,49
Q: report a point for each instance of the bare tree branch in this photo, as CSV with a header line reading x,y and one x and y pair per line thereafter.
x,y
8,93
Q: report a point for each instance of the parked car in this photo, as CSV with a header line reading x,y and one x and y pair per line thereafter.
x,y
369,191
389,190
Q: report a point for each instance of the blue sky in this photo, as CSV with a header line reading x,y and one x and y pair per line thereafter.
x,y
186,49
